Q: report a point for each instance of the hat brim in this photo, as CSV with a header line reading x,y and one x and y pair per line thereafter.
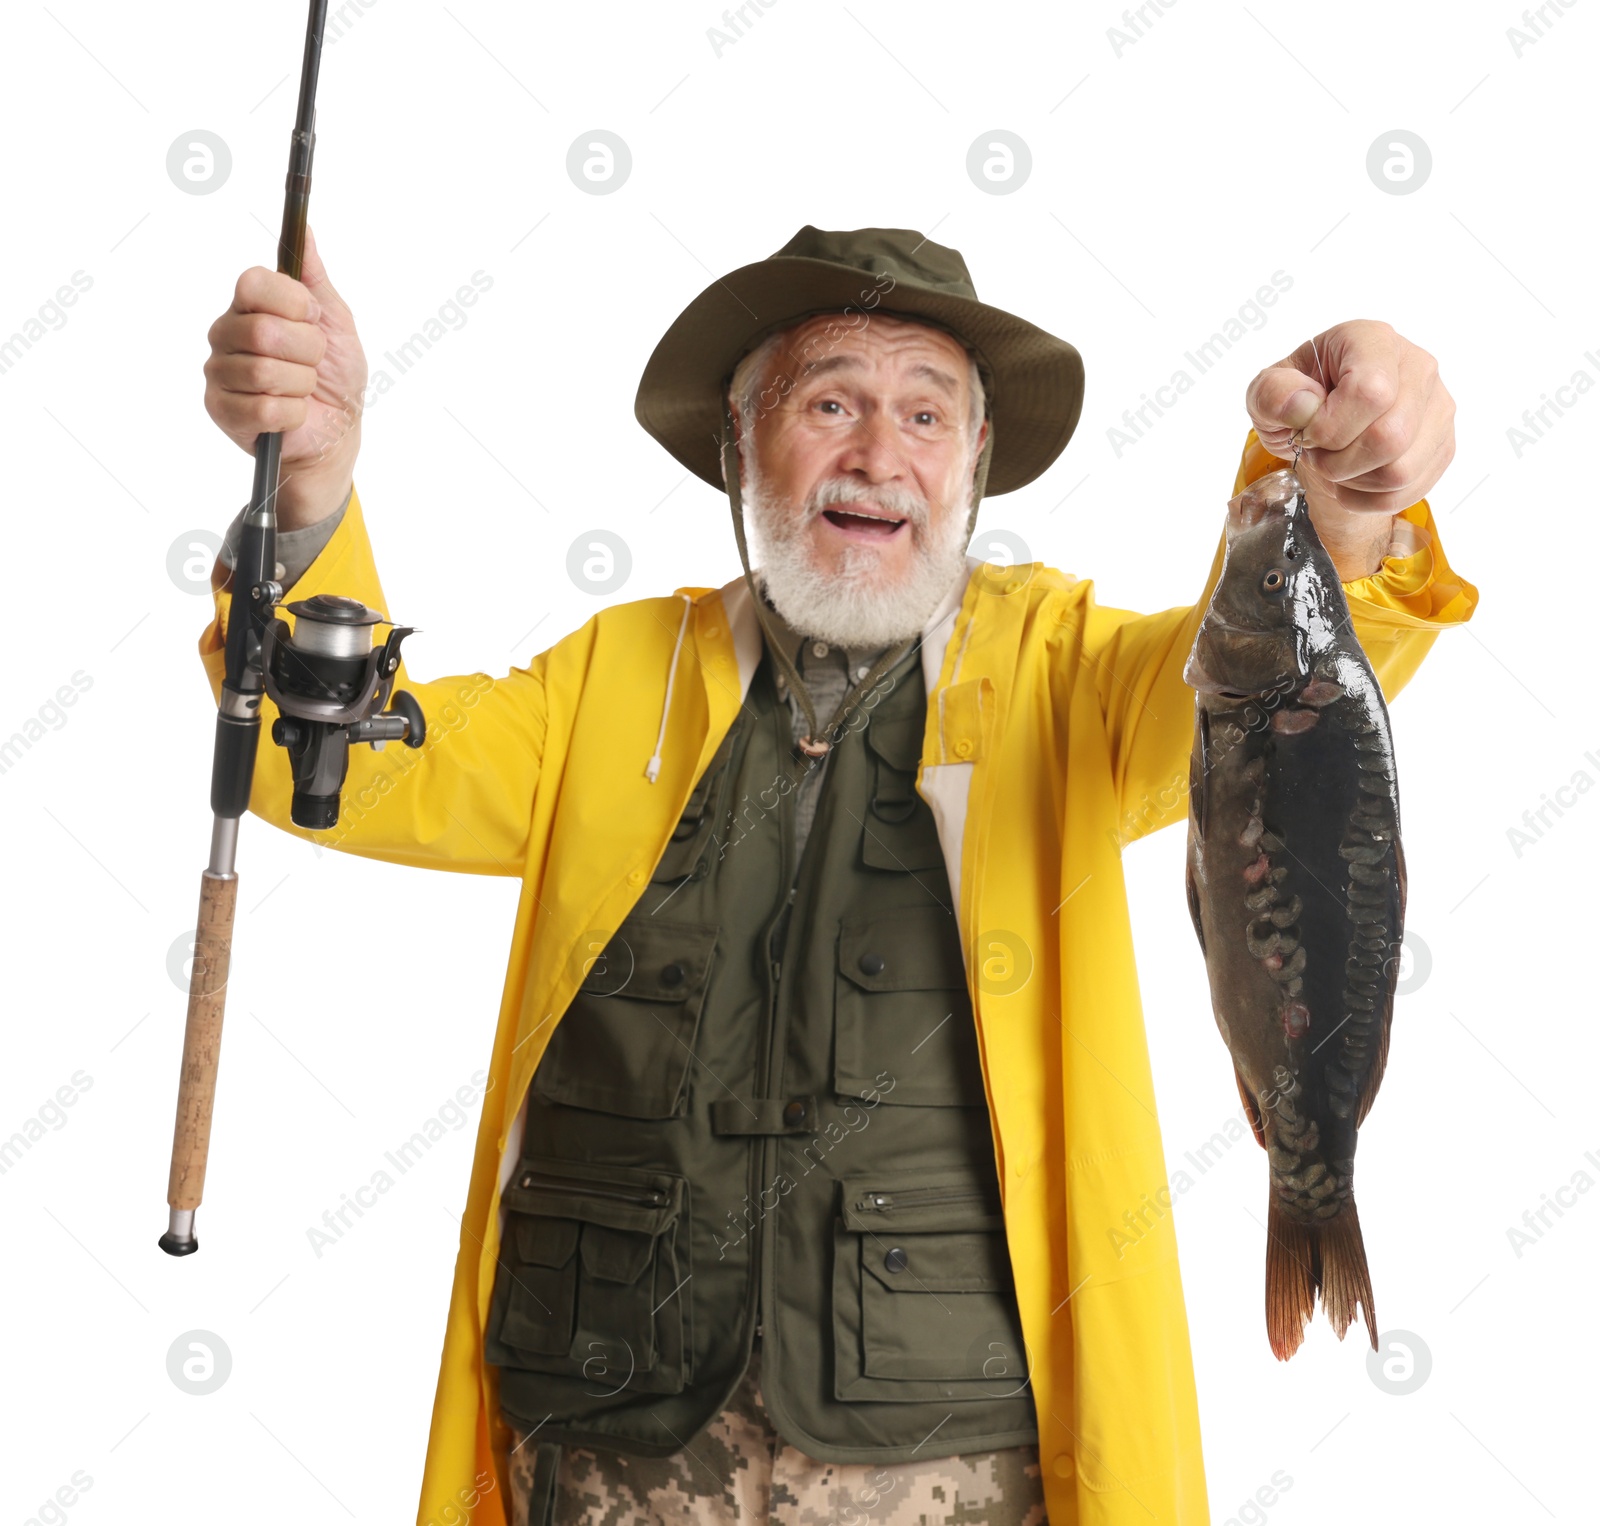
x,y
1034,380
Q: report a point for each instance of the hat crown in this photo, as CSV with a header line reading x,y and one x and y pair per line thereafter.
x,y
1033,381
907,256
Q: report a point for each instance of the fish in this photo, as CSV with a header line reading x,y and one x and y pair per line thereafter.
x,y
1296,882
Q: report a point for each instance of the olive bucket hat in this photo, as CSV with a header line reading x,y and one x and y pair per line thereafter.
x,y
1033,381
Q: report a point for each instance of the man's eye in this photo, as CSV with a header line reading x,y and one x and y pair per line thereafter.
x,y
928,414
829,402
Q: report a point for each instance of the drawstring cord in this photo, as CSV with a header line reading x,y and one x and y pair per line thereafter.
x,y
785,665
652,769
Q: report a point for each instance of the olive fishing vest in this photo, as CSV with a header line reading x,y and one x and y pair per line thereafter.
x,y
763,1113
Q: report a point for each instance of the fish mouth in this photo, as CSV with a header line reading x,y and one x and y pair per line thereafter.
x,y
1195,675
1215,622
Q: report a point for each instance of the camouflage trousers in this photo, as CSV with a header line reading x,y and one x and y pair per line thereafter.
x,y
740,1472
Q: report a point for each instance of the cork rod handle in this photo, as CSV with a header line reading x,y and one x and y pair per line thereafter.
x,y
202,1042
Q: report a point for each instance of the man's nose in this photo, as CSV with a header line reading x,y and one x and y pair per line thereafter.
x,y
871,452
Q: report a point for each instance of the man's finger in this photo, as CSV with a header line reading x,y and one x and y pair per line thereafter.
x,y
1396,431
249,373
265,333
1426,448
1362,361
260,290
244,415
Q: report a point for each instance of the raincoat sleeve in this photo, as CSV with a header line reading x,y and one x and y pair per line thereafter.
x,y
464,799
1136,661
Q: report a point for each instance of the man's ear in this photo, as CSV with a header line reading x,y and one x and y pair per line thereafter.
x,y
738,447
977,455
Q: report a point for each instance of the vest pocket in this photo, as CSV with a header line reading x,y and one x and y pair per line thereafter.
x,y
623,1045
898,831
901,1010
694,835
588,1267
924,1304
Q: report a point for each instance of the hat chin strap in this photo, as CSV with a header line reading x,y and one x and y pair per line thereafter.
x,y
817,741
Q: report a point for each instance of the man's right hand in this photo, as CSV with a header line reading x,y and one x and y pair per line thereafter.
x,y
285,357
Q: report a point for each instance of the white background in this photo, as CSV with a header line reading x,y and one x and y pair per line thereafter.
x,y
1169,181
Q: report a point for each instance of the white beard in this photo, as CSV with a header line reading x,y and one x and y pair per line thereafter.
x,y
854,605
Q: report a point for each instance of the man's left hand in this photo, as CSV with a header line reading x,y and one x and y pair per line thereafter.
x,y
1375,439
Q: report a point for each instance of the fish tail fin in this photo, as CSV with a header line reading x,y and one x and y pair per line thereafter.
x,y
1345,1279
1303,1261
1293,1275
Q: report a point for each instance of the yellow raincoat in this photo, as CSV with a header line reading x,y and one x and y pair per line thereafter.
x,y
1057,730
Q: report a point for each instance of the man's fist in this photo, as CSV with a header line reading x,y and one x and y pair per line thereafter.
x,y
1377,436
285,359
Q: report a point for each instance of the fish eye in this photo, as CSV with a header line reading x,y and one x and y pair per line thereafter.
x,y
1274,581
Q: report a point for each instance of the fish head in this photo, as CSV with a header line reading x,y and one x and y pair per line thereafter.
x,y
1267,620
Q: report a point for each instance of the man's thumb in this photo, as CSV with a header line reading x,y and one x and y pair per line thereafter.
x,y
314,275
1286,398
1281,401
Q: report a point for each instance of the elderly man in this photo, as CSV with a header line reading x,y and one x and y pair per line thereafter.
x,y
820,1091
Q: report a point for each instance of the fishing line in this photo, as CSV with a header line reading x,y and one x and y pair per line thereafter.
x,y
1322,376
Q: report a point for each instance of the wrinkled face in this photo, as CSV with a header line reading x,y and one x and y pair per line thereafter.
x,y
856,471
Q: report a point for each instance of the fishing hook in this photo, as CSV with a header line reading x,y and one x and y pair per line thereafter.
x,y
1322,375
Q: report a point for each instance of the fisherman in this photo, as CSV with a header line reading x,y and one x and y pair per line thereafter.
x,y
820,1102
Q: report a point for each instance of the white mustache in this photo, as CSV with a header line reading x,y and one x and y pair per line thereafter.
x,y
902,503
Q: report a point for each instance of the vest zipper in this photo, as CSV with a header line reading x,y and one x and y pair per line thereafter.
x,y
641,1198
777,935
920,1197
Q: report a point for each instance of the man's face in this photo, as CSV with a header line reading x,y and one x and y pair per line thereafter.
x,y
858,474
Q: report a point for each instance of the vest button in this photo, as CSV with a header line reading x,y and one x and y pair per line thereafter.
x,y
896,1260
872,964
672,975
794,1113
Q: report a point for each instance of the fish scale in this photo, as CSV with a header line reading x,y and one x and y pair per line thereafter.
x,y
1296,884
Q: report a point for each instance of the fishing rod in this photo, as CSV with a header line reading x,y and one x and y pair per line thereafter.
x,y
330,682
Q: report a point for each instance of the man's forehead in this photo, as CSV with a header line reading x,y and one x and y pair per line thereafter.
x,y
820,345
873,330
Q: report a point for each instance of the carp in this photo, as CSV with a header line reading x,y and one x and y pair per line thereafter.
x,y
1297,886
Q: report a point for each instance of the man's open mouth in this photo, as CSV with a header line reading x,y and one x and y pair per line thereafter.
x,y
863,522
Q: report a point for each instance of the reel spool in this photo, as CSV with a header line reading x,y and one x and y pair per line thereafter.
x,y
331,684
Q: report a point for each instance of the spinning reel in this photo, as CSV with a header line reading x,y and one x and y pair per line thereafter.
x,y
331,684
